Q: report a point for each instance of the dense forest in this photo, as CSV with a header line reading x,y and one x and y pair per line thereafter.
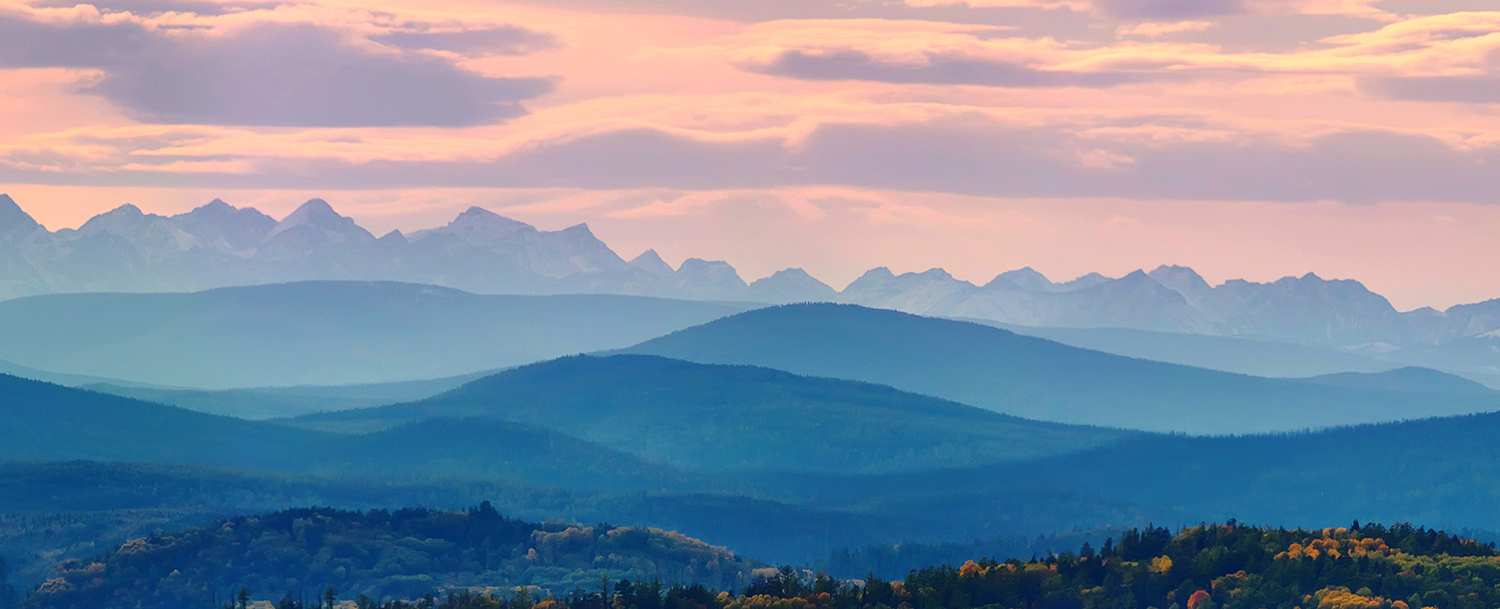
x,y
477,559
378,554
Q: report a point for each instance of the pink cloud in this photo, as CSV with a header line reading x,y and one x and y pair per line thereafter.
x,y
977,136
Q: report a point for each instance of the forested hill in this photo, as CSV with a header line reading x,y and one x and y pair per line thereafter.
x,y
41,422
481,555
381,555
702,416
1039,379
1224,566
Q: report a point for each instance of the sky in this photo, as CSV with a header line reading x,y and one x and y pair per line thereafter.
x,y
1245,138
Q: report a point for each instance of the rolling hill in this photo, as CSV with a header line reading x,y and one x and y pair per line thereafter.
x,y
43,422
1438,470
70,380
1471,358
1035,378
1252,356
325,333
282,402
1410,379
737,417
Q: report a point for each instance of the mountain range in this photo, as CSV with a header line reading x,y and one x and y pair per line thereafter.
x,y
620,421
218,245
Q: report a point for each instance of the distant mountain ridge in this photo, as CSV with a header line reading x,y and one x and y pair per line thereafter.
x,y
1038,379
320,333
717,417
218,245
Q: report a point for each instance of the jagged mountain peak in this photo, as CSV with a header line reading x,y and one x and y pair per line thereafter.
x,y
223,226
475,211
1085,281
315,212
217,208
711,271
479,227
128,209
791,285
936,275
479,216
120,220
1183,280
1026,278
1173,270
709,279
789,273
14,220
578,230
698,265
650,261
318,215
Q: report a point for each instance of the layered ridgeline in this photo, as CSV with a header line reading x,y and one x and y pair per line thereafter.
x,y
620,421
380,555
218,245
327,333
1242,355
1043,380
1391,472
1230,566
43,422
736,417
1440,470
258,403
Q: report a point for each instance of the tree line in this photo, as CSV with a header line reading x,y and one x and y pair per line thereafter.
x,y
1211,566
1227,566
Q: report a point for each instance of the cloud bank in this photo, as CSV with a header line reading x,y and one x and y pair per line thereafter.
x,y
277,74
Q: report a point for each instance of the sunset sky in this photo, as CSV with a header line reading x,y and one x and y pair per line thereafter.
x,y
1245,138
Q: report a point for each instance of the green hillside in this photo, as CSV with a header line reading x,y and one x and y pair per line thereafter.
x,y
322,332
1036,378
738,417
